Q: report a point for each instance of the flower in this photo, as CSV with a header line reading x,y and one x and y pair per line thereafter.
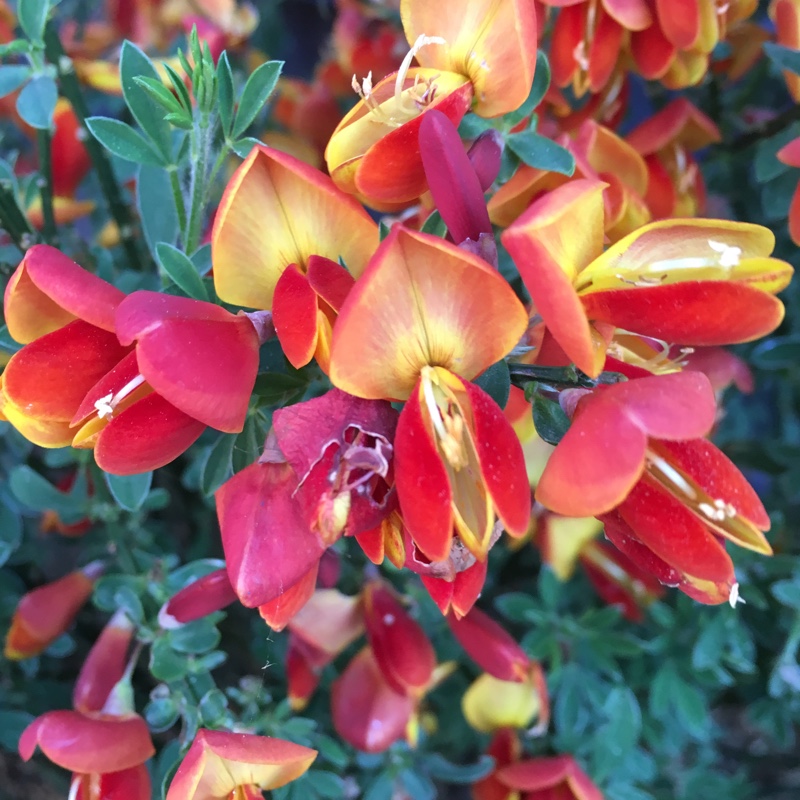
x,y
695,282
135,378
634,457
482,54
44,613
545,778
423,320
222,765
293,265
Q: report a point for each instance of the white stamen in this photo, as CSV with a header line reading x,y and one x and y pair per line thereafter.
x,y
107,405
422,41
729,255
74,786
734,597
433,408
672,475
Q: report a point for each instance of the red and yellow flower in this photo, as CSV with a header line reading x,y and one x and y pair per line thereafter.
x,y
423,320
480,56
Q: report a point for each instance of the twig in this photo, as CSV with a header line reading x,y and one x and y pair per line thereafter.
x,y
43,141
765,129
14,222
71,89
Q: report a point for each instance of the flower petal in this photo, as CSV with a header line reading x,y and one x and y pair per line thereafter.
x,y
83,743
294,314
278,612
199,357
549,260
220,761
306,215
261,523
48,290
421,301
146,436
491,41
491,704
367,712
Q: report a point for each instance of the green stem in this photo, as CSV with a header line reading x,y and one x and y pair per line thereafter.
x,y
197,204
177,196
565,377
43,140
71,89
14,222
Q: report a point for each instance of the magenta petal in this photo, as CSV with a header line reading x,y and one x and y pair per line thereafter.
x,y
198,356
148,435
451,178
485,154
268,546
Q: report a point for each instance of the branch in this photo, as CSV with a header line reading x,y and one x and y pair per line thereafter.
x,y
50,232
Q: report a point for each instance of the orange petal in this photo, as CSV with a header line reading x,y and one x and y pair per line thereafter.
x,y
550,253
493,42
48,290
278,612
220,761
421,301
278,211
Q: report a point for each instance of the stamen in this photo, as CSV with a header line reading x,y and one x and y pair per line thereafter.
x,y
74,787
734,598
670,478
729,255
107,405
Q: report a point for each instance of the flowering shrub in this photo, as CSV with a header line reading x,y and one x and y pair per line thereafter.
x,y
415,420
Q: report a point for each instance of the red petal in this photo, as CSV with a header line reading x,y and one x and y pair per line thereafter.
x,y
146,436
294,314
490,646
198,356
680,21
127,784
261,524
604,50
423,488
49,289
83,743
714,472
277,613
674,534
302,677
48,379
104,665
652,52
367,713
331,281
202,597
502,462
596,464
566,38
399,645
693,312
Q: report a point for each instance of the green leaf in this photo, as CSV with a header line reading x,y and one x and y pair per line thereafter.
x,y
444,770
218,466
766,162
12,723
165,664
199,636
180,88
382,788
180,269
248,445
38,494
37,102
213,707
123,141
32,16
540,152
434,225
549,419
156,207
161,95
130,491
541,83
383,229
111,587
135,64
788,593
225,96
191,572
496,382
10,531
161,713
242,147
257,90
12,76
777,352
783,57
418,785
326,784
516,606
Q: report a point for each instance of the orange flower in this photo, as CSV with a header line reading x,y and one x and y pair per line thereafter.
x,y
481,53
